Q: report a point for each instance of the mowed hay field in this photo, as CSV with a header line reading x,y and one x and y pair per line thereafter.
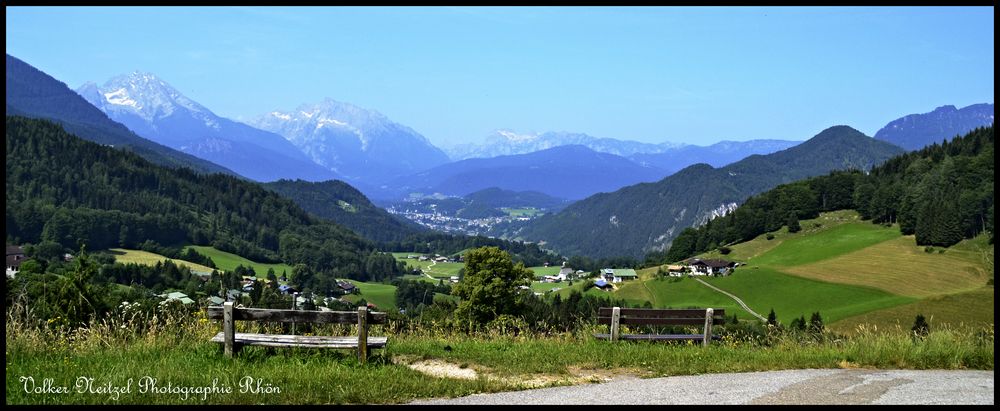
x,y
748,250
901,279
382,295
229,261
901,267
685,293
126,256
763,289
436,270
836,241
973,308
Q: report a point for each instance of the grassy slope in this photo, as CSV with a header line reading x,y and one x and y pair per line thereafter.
x,y
544,271
228,261
764,289
901,267
847,269
439,270
382,295
836,241
951,310
126,256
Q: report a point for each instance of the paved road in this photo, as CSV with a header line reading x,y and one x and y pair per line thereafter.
x,y
822,386
738,300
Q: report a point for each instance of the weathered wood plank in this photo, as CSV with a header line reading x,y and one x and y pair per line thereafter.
x,y
306,341
287,316
228,328
615,318
708,326
659,312
657,337
362,334
659,321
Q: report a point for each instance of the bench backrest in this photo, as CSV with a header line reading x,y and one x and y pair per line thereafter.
x,y
296,316
660,316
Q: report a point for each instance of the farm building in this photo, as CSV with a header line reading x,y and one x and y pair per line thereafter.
x,y
711,267
624,274
15,256
602,284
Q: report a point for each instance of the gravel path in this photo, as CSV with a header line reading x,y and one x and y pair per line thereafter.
x,y
739,301
814,386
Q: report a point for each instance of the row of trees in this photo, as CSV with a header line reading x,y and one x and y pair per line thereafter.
x,y
941,194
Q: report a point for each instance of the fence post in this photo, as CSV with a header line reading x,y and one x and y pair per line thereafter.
x,y
709,312
616,314
228,328
362,334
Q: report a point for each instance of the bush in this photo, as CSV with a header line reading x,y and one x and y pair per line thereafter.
x,y
725,250
770,236
920,327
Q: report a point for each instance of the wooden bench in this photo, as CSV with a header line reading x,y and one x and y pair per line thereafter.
x,y
232,340
615,316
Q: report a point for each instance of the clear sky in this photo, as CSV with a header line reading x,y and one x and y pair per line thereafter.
x,y
653,74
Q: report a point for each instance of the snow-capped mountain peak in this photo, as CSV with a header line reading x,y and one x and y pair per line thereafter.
x,y
514,137
352,140
146,96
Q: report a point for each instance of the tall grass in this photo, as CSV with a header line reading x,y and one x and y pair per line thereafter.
x,y
172,346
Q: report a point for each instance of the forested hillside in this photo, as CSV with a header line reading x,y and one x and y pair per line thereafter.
x,y
647,217
70,191
941,194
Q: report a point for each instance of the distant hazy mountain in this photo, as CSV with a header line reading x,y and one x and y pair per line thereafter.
x,y
337,201
32,93
498,198
716,155
153,109
646,217
570,172
362,145
916,131
506,142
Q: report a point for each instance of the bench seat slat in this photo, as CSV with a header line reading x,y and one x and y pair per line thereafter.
x,y
323,317
661,321
659,312
656,337
307,341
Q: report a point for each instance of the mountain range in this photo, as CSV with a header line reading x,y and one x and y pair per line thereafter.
x,y
916,131
507,142
362,145
646,217
715,155
568,172
154,109
32,93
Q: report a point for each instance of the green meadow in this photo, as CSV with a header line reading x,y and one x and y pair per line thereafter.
x,y
228,261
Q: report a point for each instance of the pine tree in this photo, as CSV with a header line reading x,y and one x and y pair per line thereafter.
x,y
816,323
920,326
793,223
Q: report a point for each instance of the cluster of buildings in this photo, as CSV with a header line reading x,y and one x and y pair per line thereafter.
x,y
697,266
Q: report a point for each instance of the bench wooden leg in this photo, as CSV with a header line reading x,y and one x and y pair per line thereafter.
x,y
228,328
707,337
616,315
362,334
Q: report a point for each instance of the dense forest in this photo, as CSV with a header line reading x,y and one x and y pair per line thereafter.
x,y
941,194
343,204
70,191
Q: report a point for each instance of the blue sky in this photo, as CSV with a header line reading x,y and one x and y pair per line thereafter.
x,y
696,75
